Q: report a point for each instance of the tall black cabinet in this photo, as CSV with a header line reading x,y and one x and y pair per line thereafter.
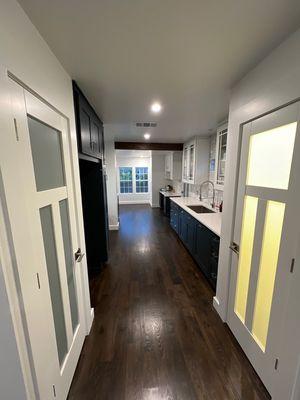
x,y
90,139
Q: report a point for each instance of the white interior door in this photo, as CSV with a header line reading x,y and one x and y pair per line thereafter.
x,y
40,199
265,236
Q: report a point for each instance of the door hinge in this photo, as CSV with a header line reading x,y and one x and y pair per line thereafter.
x,y
54,391
79,255
16,129
276,364
38,280
235,247
292,265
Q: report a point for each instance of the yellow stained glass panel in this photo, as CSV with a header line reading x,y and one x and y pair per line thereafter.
x,y
246,248
267,271
270,157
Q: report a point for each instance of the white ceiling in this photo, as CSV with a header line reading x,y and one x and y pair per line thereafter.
x,y
186,54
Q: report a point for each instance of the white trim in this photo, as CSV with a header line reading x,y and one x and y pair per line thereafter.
x,y
91,319
114,227
134,202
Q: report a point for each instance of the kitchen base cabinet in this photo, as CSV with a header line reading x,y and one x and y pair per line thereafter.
x,y
202,251
161,201
174,217
201,242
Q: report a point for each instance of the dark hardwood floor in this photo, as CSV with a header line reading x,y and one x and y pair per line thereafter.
x,y
156,335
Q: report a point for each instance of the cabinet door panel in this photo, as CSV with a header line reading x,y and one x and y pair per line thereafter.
x,y
96,137
191,225
203,248
89,127
85,130
183,226
95,134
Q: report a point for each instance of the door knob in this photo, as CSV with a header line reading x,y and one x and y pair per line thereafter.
x,y
79,255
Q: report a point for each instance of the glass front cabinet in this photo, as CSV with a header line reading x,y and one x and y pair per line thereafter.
x,y
221,146
188,171
195,160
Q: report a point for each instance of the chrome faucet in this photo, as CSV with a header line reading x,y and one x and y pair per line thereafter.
x,y
213,191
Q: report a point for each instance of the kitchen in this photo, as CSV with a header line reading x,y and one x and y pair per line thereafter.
x,y
193,199
149,196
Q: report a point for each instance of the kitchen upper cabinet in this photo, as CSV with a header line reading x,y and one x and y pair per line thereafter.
x,y
89,126
195,160
173,165
221,146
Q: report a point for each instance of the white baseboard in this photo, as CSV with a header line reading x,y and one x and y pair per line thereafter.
x,y
90,322
216,305
114,227
134,202
155,205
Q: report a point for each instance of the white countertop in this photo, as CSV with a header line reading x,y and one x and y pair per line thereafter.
x,y
170,193
212,221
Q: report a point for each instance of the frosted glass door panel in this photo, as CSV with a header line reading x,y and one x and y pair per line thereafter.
x,y
46,149
246,248
270,157
54,282
267,271
69,259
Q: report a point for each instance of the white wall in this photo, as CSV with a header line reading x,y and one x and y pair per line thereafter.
x,y
134,161
112,200
273,83
158,177
27,56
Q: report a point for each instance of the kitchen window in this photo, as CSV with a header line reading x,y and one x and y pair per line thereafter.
x,y
141,179
125,180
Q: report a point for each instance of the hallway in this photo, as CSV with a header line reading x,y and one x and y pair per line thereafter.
x,y
156,335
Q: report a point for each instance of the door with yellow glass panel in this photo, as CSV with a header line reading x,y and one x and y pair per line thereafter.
x,y
264,239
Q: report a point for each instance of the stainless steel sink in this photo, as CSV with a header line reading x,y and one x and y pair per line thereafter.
x,y
200,209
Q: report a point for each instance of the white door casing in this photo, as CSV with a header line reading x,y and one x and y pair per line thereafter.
x,y
265,356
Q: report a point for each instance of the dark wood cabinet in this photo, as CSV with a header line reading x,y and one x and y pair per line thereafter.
x,y
89,126
89,129
201,242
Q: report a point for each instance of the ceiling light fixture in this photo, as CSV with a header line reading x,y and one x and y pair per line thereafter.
x,y
147,136
156,107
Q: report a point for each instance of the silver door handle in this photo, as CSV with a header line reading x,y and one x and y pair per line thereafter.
x,y
235,247
79,255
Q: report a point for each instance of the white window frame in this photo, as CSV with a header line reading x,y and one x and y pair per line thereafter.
x,y
141,180
134,192
132,180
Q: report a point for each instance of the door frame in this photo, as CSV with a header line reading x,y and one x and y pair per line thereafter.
x,y
284,384
7,254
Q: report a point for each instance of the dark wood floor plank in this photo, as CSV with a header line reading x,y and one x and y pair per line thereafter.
x,y
156,335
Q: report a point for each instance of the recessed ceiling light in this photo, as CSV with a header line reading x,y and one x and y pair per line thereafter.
x,y
147,136
156,107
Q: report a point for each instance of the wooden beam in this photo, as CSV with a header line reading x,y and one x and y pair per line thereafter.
x,y
148,146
